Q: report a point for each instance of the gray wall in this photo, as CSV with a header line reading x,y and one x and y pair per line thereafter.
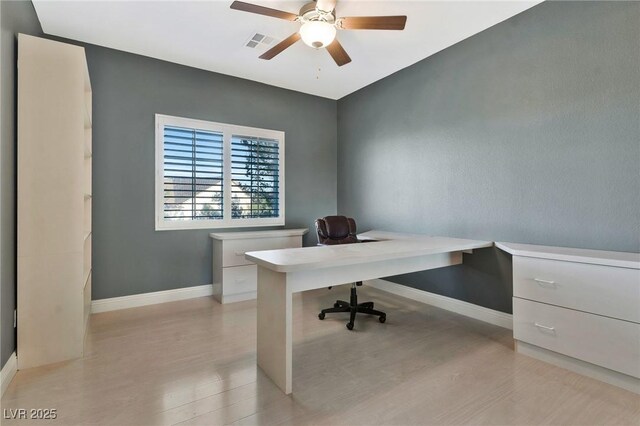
x,y
129,256
527,132
17,17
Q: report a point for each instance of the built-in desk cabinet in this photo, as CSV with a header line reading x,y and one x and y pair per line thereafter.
x,y
234,277
54,201
579,309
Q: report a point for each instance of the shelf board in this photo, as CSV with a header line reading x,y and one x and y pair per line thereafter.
x,y
86,278
86,235
87,109
87,143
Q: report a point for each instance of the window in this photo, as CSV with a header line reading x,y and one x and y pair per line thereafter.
x,y
213,175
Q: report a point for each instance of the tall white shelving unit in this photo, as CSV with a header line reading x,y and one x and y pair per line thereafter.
x,y
54,201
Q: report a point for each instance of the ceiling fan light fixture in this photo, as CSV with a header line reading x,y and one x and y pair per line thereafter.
x,y
317,34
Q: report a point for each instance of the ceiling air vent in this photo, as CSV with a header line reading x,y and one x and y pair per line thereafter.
x,y
258,39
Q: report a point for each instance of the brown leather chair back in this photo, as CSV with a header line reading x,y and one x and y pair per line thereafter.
x,y
336,230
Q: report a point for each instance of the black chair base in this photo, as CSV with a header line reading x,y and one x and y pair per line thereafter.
x,y
353,307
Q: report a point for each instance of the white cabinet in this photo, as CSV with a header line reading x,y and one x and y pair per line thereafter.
x,y
234,277
54,201
579,308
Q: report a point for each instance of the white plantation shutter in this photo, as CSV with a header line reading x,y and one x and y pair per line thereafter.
x,y
214,175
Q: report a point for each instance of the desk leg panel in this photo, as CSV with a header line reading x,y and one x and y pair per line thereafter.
x,y
274,345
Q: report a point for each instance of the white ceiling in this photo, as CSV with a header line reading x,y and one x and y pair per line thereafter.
x,y
211,36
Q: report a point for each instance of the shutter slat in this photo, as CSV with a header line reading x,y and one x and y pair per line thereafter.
x,y
188,204
214,179
249,153
213,145
199,171
208,150
250,144
198,160
237,177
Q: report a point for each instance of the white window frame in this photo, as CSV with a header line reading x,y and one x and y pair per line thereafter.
x,y
227,130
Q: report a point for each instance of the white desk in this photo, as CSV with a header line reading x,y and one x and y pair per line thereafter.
x,y
284,272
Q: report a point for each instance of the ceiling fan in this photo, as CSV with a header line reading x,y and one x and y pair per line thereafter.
x,y
320,25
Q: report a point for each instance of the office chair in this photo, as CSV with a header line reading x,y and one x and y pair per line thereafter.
x,y
334,230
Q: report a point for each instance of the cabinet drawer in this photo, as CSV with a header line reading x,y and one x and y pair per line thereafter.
x,y
233,250
603,290
239,279
603,341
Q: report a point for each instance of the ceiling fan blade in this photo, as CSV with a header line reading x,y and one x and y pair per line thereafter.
x,y
278,48
338,53
326,5
373,23
261,10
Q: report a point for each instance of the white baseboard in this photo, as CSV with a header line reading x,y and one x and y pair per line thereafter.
x,y
8,371
491,316
133,301
629,383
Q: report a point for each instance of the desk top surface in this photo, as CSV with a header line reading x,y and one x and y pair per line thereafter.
x,y
595,257
388,246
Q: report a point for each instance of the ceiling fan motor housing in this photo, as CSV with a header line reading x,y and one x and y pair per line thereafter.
x,y
309,13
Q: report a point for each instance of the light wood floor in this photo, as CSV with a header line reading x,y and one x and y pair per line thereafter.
x,y
194,362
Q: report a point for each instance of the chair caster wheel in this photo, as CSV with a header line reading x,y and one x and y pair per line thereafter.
x,y
383,318
321,315
350,325
336,305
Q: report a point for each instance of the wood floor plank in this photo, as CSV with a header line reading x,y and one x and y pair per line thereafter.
x,y
193,362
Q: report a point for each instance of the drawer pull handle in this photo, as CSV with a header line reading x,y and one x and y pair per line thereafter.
x,y
240,280
544,327
239,253
542,282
